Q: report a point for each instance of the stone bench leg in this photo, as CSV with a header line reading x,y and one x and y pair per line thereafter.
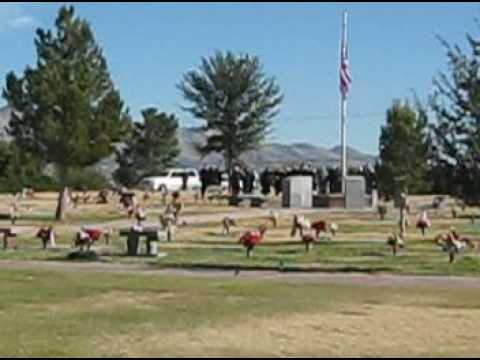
x,y
52,241
152,246
132,244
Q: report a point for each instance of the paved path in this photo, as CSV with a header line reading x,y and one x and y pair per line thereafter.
x,y
378,280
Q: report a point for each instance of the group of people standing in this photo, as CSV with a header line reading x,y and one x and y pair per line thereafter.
x,y
273,179
243,179
209,176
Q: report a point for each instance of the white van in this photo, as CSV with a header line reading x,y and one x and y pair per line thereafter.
x,y
172,180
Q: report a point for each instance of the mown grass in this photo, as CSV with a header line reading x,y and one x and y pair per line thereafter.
x,y
50,314
420,257
360,245
46,314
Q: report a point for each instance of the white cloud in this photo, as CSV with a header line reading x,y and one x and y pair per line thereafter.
x,y
22,21
14,16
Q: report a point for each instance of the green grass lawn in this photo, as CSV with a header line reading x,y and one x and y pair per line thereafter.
x,y
141,313
419,258
359,247
45,314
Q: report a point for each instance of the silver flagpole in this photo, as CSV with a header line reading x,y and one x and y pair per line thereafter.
x,y
343,113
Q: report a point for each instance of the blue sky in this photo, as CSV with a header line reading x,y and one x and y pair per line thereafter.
x,y
393,50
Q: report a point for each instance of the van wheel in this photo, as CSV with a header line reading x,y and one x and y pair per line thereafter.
x,y
162,188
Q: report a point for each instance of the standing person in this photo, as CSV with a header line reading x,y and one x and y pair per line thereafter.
x,y
210,176
253,178
219,177
323,178
216,176
266,181
248,181
203,181
316,180
184,181
279,176
235,181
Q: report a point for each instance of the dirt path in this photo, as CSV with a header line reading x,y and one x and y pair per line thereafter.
x,y
357,279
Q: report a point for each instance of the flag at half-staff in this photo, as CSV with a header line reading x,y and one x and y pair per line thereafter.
x,y
345,78
345,84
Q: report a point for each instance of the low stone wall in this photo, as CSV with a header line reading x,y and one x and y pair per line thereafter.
x,y
337,201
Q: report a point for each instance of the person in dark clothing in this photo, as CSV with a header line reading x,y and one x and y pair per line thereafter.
x,y
212,176
318,181
266,181
250,175
246,182
279,176
209,176
235,181
203,181
185,181
219,177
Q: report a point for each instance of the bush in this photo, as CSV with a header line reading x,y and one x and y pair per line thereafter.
x,y
43,183
91,179
39,183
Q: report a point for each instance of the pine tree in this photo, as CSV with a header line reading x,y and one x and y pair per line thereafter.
x,y
456,104
18,169
152,147
404,151
68,112
236,101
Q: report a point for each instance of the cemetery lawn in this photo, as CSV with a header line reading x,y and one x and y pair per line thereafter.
x,y
360,245
90,314
420,257
417,259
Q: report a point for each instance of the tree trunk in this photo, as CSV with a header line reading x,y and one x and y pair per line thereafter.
x,y
62,204
228,168
63,195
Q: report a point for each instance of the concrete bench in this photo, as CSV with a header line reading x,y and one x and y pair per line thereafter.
x,y
9,238
152,235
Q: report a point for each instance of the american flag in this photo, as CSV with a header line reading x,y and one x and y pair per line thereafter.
x,y
345,78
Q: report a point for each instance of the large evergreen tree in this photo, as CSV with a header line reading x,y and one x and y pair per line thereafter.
x,y
404,150
236,101
19,169
152,147
456,103
68,111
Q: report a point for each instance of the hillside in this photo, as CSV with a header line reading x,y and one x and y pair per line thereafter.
x,y
271,154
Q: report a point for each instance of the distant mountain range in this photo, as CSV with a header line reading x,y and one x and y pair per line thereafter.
x,y
270,154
